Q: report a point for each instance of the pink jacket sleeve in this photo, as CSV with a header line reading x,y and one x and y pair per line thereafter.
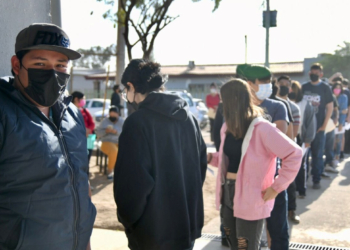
x,y
280,145
215,160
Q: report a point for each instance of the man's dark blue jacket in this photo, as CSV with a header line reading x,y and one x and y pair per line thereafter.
x,y
44,202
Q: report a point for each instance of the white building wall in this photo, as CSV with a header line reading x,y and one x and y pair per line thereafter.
x,y
15,15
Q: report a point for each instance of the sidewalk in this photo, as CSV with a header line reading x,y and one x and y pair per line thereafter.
x,y
103,239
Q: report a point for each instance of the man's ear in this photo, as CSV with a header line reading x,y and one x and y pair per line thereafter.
x,y
16,65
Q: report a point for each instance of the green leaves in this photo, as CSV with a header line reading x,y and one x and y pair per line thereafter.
x,y
338,62
95,57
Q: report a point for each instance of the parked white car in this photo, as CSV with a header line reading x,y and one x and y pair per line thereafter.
x,y
202,112
195,106
95,107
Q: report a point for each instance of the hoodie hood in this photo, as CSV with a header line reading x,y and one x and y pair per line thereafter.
x,y
168,105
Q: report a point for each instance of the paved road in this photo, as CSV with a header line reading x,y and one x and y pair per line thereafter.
x,y
324,213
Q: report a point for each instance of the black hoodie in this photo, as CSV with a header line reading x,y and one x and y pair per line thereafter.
x,y
159,175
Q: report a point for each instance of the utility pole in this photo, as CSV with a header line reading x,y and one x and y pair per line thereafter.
x,y
246,49
56,12
267,18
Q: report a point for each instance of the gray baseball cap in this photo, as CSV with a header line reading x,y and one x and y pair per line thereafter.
x,y
45,36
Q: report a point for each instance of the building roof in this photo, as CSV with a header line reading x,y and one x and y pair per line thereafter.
x,y
86,71
212,70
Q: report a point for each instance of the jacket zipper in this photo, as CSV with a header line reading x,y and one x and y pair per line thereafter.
x,y
73,189
72,179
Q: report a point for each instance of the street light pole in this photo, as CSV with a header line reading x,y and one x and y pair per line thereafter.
x,y
267,24
246,49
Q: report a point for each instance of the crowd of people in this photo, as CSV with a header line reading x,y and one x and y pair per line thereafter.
x,y
264,130
312,114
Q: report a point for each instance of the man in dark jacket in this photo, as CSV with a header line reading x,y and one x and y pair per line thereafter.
x,y
161,166
115,97
44,190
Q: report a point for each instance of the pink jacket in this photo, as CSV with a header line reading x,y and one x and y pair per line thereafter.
x,y
261,144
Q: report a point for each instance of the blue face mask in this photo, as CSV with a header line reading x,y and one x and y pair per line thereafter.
x,y
265,91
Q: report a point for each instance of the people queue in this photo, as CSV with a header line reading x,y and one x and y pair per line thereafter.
x,y
157,157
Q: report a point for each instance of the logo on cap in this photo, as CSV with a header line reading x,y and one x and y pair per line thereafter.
x,y
50,38
65,42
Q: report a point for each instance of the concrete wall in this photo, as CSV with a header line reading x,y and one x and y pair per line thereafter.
x,y
14,16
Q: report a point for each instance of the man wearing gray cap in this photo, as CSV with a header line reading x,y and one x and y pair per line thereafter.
x,y
44,190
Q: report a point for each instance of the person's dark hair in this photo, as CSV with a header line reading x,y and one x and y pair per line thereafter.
x,y
213,84
20,55
113,109
274,87
316,66
337,83
115,87
296,88
338,79
284,77
77,94
345,82
144,75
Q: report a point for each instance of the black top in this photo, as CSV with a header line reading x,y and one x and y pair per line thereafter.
x,y
319,96
159,175
115,100
233,150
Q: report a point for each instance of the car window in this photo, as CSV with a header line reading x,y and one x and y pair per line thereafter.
x,y
87,104
96,104
187,99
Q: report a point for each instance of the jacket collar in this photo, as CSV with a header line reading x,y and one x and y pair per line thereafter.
x,y
249,134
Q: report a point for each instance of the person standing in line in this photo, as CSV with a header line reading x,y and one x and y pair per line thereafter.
x,y
212,100
305,134
79,101
330,138
283,85
44,188
161,165
259,80
320,96
245,154
346,91
343,110
108,132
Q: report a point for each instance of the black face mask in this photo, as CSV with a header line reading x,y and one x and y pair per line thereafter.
x,y
113,119
292,96
314,77
284,90
45,86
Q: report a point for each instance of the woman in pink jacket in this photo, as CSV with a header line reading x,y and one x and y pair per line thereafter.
x,y
246,187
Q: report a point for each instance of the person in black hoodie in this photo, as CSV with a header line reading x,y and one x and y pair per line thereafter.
x,y
161,165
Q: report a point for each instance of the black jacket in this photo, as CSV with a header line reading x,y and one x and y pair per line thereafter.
x,y
44,202
159,174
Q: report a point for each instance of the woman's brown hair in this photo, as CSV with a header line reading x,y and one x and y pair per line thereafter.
x,y
296,88
239,110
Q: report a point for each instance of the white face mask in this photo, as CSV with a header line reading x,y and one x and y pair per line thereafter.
x,y
265,90
213,91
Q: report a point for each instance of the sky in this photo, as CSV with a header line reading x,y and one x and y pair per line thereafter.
x,y
305,28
